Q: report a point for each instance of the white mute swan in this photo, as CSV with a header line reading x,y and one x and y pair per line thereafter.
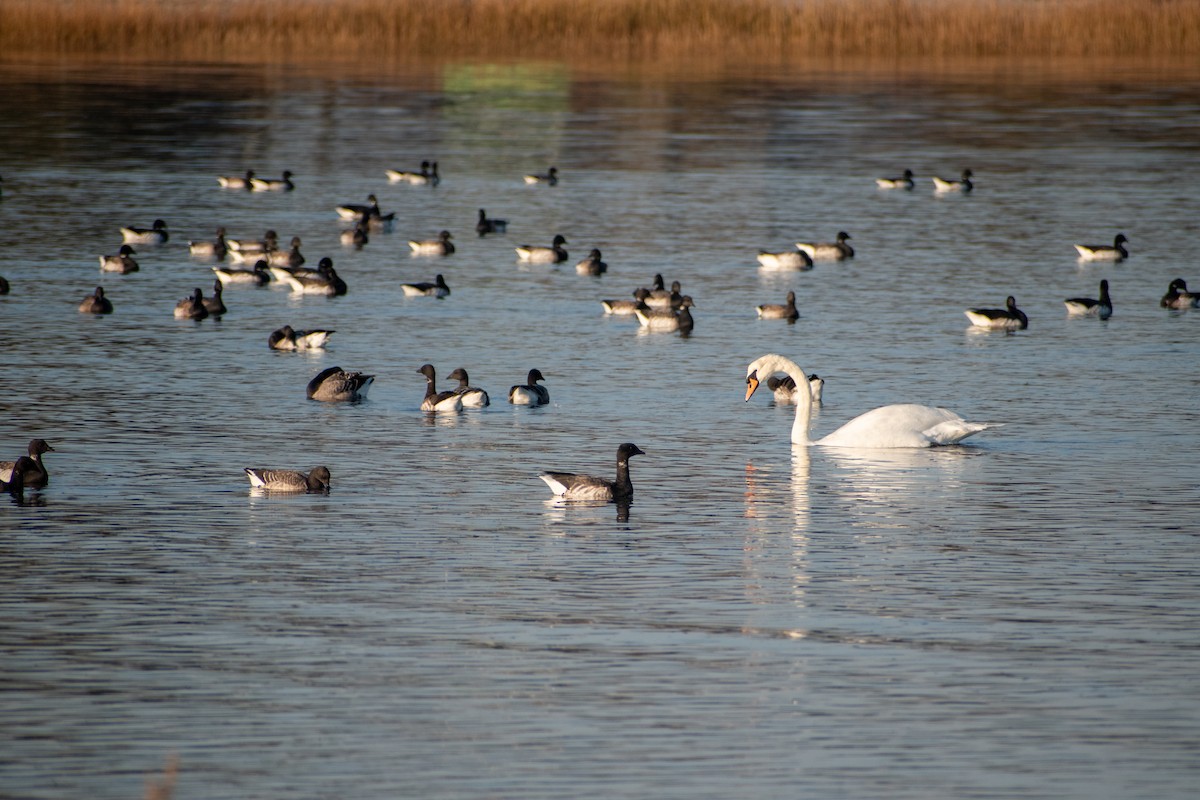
x,y
901,425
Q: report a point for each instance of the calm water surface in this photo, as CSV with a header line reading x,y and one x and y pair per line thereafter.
x,y
1014,618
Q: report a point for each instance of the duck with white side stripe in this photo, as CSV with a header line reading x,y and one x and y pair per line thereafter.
x,y
787,310
785,260
1178,296
626,308
828,251
214,249
575,486
437,289
961,186
487,225
236,181
1103,252
592,265
287,480
530,393
258,276
905,181
471,396
1009,318
435,400
283,184
1089,307
96,303
123,262
156,234
553,254
287,338
192,307
441,246
549,177
35,474
668,320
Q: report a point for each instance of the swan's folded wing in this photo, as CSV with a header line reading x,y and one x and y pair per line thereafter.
x,y
953,431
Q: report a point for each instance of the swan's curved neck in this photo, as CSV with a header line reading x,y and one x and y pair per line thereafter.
x,y
770,364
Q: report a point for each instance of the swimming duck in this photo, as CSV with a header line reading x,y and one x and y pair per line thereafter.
x,y
903,182
592,265
236,182
427,177
485,226
626,307
774,311
214,249
123,262
784,389
1009,318
530,394
550,178
380,223
324,282
440,246
335,385
828,251
414,178
435,400
898,425
659,297
286,480
283,184
246,249
258,276
288,339
1087,307
963,184
34,470
544,255
15,485
668,319
573,486
215,305
788,259
286,258
357,210
192,307
96,303
154,235
1104,252
358,236
437,289
1179,297
470,396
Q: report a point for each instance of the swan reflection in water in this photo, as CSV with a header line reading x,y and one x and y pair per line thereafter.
x,y
761,491
768,498
885,486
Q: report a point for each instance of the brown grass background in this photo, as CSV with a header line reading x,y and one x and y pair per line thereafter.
x,y
581,30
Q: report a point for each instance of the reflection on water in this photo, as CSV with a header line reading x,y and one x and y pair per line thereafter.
x,y
946,622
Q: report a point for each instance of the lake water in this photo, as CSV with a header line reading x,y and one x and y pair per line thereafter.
x,y
1016,618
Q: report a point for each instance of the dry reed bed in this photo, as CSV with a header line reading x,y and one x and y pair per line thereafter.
x,y
274,30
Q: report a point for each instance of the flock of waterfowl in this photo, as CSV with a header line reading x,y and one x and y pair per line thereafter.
x,y
657,308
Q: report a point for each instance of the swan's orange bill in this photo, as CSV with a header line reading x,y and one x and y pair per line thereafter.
x,y
751,384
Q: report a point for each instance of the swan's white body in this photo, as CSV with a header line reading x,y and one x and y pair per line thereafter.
x,y
901,425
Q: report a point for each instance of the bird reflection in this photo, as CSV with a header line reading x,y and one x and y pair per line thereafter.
x,y
556,508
